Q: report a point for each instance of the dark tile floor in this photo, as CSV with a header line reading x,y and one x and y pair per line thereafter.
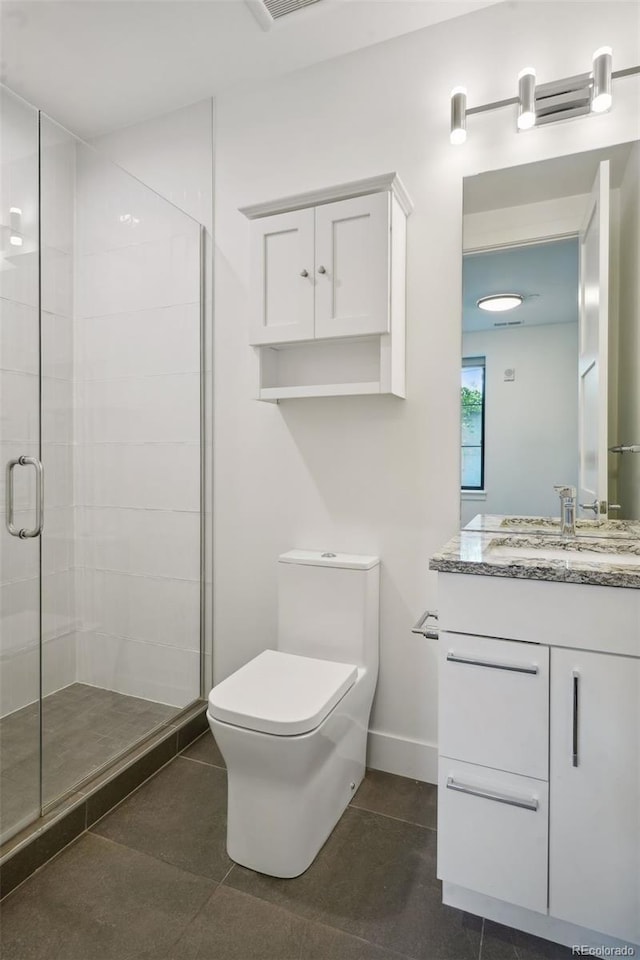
x,y
152,881
83,728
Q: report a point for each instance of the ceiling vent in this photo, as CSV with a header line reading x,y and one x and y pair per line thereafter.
x,y
508,323
267,12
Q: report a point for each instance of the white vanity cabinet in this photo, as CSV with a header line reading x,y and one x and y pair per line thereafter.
x,y
327,290
539,769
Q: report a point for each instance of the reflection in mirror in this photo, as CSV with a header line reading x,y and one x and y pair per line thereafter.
x,y
550,371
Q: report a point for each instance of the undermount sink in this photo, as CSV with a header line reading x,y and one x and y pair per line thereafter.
x,y
569,550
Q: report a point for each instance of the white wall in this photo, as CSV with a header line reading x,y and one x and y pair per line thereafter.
x,y
376,475
172,154
531,423
629,334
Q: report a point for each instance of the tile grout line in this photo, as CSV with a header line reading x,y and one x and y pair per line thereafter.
x,y
227,874
389,816
203,763
481,939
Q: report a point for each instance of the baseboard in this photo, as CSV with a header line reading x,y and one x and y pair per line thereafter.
x,y
406,758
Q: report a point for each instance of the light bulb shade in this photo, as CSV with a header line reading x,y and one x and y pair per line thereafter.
x,y
458,115
601,98
526,99
500,302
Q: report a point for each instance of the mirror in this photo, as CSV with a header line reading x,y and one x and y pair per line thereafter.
x,y
550,360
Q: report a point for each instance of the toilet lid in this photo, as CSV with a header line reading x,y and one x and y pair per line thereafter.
x,y
281,693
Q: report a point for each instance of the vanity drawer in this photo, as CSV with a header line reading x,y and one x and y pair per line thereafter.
x,y
492,833
494,703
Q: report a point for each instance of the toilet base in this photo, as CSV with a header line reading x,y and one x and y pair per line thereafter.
x,y
286,794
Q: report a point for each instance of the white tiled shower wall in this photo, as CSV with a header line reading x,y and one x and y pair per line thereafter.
x,y
120,432
137,340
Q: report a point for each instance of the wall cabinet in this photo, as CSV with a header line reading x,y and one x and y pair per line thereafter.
x,y
327,290
539,771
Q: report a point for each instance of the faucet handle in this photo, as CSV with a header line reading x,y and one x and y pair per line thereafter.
x,y
564,490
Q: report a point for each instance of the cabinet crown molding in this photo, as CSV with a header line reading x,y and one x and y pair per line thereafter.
x,y
342,191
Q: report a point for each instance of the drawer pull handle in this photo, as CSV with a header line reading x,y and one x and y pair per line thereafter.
x,y
489,795
512,667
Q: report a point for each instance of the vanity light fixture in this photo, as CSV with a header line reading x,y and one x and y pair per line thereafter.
x,y
601,97
526,99
458,115
499,302
540,104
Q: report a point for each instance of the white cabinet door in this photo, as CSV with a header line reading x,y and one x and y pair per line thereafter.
x,y
594,844
282,278
353,267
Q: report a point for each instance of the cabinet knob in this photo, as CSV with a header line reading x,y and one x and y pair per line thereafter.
x,y
322,270
304,273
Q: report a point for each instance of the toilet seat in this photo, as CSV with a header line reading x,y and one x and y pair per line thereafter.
x,y
281,693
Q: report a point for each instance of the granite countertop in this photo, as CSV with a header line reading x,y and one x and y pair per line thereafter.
x,y
590,560
615,529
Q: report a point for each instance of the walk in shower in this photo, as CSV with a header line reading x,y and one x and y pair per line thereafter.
x,y
101,414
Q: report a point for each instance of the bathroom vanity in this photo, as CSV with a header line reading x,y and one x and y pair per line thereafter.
x,y
539,728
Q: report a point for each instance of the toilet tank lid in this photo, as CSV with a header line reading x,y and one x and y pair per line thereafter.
x,y
327,558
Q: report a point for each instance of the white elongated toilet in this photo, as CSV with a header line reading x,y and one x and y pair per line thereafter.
x,y
292,723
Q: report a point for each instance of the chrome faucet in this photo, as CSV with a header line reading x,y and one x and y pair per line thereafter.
x,y
567,509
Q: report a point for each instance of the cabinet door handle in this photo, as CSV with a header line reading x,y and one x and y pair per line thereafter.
x,y
512,667
576,697
322,269
523,802
304,273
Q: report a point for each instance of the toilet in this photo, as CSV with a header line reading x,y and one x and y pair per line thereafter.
x,y
292,723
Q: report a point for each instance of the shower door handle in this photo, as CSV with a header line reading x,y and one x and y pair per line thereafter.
x,y
25,533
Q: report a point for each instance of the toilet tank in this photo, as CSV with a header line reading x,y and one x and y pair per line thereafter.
x,y
328,606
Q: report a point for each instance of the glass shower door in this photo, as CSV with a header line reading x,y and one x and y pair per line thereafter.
x,y
20,470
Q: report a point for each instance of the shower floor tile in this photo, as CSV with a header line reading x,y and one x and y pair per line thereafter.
x,y
83,728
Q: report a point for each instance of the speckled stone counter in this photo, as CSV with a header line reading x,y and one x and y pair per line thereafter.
x,y
603,561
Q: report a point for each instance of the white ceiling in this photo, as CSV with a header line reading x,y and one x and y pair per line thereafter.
x,y
95,65
545,274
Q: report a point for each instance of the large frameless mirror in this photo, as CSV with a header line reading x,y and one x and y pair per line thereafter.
x,y
550,364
